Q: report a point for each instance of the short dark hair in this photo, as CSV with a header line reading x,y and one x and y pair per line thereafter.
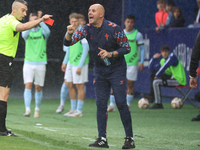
x,y
130,17
170,3
164,48
161,2
81,16
73,15
21,1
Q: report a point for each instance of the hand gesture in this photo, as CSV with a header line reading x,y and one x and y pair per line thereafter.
x,y
63,67
71,29
46,17
193,83
162,24
157,30
157,55
103,53
78,71
141,67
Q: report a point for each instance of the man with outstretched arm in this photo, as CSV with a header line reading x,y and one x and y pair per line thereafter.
x,y
9,37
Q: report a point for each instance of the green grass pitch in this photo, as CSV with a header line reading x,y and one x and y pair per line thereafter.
x,y
166,129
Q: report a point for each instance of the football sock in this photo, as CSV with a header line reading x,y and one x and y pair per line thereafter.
x,y
129,99
73,104
85,89
3,112
80,105
63,94
27,98
38,98
112,100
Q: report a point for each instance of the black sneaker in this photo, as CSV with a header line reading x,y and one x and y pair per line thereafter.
x,y
7,133
149,97
129,143
100,142
197,118
156,106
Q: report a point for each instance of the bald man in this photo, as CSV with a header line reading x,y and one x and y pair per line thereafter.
x,y
9,36
108,45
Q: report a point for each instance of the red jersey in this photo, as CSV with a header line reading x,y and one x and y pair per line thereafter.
x,y
161,17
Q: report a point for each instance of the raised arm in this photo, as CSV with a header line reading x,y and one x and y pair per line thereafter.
x,y
28,25
45,30
72,37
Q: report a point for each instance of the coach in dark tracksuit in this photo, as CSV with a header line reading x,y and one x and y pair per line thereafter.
x,y
106,41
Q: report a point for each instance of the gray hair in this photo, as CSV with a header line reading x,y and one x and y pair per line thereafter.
x,y
19,1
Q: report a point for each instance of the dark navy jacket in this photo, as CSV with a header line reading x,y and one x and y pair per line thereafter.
x,y
109,37
172,60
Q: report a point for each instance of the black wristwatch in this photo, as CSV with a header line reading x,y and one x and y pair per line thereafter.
x,y
112,54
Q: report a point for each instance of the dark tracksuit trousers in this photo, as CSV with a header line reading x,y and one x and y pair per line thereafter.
x,y
105,79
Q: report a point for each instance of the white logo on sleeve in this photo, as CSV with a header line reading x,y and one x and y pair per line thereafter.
x,y
10,63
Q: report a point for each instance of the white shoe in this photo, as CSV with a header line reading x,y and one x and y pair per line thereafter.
x,y
77,114
72,111
111,108
60,109
36,114
27,114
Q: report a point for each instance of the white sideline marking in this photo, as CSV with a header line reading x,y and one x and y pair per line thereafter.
x,y
45,128
39,142
49,129
88,139
38,124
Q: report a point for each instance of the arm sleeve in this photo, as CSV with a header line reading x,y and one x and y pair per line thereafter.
x,y
153,66
122,41
168,18
156,19
142,51
25,34
140,43
65,48
195,57
45,30
85,47
13,24
171,61
77,36
66,58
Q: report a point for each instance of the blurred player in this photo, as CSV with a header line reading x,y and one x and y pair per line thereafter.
x,y
76,73
136,42
64,88
35,62
10,28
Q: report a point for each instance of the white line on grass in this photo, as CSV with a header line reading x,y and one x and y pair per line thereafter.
x,y
40,142
45,128
88,139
